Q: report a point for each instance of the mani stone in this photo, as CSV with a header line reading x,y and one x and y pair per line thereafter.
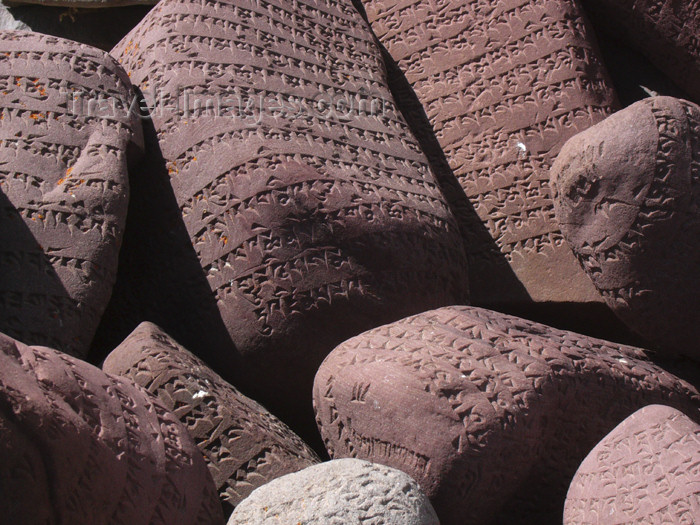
x,y
244,445
490,413
628,202
306,200
342,491
647,470
83,447
503,84
65,141
667,32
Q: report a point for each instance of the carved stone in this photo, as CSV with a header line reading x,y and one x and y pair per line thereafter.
x,y
628,201
310,206
244,445
63,186
666,31
490,413
83,447
503,83
644,471
339,491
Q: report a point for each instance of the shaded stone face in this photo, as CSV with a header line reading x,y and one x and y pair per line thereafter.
x,y
490,413
81,446
338,491
503,85
101,28
244,445
81,3
666,32
309,206
65,140
645,470
627,199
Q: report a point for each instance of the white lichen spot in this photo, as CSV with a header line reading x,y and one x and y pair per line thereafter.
x,y
200,394
522,147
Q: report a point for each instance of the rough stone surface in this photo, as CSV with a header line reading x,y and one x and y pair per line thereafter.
x,y
503,85
101,28
307,203
63,186
666,31
490,413
83,447
645,471
244,445
342,491
628,201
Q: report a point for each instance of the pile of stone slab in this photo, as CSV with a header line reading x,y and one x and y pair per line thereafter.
x,y
336,262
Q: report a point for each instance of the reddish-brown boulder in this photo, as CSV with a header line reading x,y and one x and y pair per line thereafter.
x,y
490,413
306,201
628,201
244,445
503,84
647,470
83,447
66,137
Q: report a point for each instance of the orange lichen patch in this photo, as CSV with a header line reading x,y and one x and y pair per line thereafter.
x,y
194,158
172,169
39,87
224,239
63,179
36,116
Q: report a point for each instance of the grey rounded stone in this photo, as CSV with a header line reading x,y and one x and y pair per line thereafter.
x,y
342,491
